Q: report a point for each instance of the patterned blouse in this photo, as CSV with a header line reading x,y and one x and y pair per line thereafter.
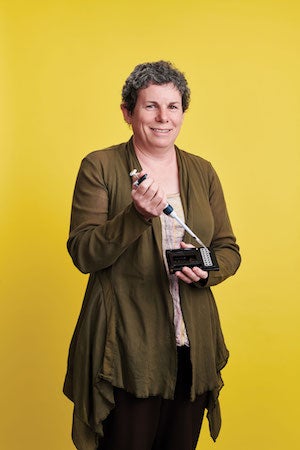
x,y
172,235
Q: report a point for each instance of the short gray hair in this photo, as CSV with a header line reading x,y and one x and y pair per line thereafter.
x,y
159,72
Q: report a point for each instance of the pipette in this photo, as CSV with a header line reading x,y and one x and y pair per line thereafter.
x,y
169,211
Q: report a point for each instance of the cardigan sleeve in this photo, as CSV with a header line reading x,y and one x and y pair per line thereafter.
x,y
95,242
223,241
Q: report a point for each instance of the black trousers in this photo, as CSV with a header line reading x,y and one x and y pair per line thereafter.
x,y
154,423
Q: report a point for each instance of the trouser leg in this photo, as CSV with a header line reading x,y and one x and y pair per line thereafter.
x,y
180,419
180,424
132,424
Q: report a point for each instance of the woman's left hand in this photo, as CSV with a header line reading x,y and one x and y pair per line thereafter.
x,y
191,275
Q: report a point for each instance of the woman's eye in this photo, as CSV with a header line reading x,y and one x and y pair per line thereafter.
x,y
173,107
150,106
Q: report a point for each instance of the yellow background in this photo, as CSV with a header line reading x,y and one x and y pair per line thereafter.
x,y
63,64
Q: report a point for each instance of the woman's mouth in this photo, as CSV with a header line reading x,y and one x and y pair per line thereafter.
x,y
161,130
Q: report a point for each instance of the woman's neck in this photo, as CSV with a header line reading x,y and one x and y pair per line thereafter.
x,y
157,155
162,166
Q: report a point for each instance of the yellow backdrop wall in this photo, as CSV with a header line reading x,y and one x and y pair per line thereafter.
x,y
63,64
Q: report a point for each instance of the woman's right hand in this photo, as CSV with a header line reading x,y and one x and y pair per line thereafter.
x,y
148,198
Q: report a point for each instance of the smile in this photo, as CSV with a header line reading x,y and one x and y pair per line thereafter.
x,y
159,130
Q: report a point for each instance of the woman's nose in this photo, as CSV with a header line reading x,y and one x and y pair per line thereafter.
x,y
162,115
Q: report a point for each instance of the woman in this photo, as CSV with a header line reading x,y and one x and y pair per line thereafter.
x,y
147,351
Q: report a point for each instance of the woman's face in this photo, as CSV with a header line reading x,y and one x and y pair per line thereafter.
x,y
157,117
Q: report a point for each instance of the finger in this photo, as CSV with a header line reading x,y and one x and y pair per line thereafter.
x,y
183,277
187,275
138,177
139,190
151,193
184,245
140,180
203,274
145,192
187,271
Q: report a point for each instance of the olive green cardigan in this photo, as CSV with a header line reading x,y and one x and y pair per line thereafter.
x,y
125,333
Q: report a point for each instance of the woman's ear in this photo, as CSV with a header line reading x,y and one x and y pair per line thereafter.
x,y
126,114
